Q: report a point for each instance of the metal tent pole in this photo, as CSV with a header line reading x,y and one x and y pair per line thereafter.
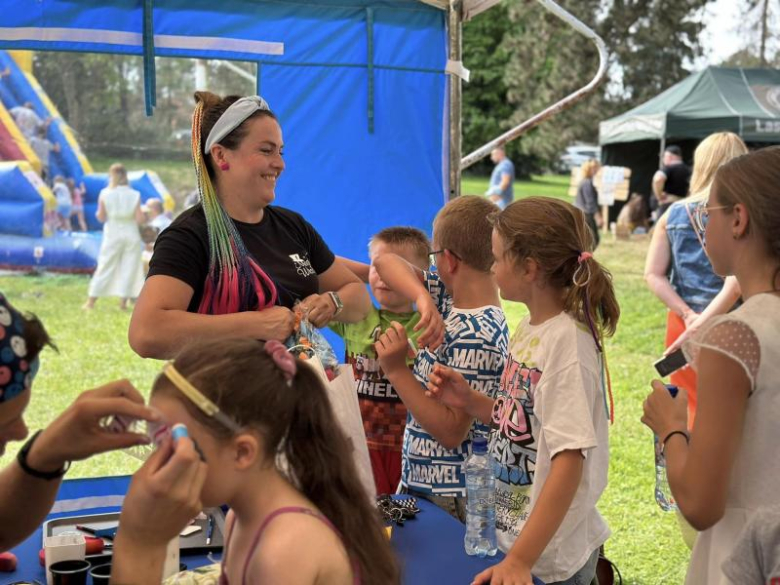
x,y
455,53
563,104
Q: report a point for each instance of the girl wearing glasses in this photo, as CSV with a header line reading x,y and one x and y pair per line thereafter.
x,y
275,454
677,269
727,468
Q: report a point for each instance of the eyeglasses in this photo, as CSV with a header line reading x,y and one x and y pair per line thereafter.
x,y
701,215
432,255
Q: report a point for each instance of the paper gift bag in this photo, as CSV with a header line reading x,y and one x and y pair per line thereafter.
x,y
343,400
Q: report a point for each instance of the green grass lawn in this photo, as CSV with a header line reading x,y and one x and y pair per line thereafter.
x,y
645,542
547,186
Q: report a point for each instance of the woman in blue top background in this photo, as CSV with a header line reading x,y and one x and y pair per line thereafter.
x,y
677,269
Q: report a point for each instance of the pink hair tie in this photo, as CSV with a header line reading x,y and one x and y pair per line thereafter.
x,y
283,359
584,256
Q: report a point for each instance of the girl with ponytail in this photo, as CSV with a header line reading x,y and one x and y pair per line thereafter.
x,y
234,265
278,458
549,420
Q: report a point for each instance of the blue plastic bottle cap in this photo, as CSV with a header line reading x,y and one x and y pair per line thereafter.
x,y
178,431
672,390
479,445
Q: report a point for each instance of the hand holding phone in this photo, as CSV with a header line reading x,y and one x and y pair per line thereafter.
x,y
671,363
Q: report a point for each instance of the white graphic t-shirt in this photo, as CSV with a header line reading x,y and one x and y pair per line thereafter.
x,y
475,345
551,400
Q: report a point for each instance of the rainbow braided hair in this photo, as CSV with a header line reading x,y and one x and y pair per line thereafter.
x,y
235,281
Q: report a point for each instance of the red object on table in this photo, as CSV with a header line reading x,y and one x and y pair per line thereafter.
x,y
94,546
7,562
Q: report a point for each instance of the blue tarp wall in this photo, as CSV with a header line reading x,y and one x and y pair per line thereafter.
x,y
358,87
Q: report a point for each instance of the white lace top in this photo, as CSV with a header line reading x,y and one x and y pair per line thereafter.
x,y
751,337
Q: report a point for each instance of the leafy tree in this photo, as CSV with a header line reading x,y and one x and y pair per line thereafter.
x,y
543,59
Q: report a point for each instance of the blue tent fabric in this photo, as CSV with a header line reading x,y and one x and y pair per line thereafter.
x,y
364,131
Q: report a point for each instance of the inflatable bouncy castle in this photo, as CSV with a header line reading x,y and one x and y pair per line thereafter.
x,y
29,238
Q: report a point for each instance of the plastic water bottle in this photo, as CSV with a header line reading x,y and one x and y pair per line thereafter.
x,y
480,539
663,494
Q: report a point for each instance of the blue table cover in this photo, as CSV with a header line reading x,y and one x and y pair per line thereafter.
x,y
429,546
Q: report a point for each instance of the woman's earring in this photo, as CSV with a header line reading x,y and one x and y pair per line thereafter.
x,y
224,166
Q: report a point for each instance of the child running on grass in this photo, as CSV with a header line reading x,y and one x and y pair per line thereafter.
x,y
549,420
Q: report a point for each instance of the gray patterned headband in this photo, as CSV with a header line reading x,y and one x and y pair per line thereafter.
x,y
233,117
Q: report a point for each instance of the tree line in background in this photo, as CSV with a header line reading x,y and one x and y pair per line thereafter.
x,y
522,59
101,97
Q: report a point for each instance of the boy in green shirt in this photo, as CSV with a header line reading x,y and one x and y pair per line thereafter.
x,y
383,413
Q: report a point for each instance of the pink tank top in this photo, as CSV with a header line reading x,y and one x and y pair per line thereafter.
x,y
223,580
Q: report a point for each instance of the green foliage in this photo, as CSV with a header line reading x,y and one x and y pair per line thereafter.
x,y
652,42
101,97
524,59
645,542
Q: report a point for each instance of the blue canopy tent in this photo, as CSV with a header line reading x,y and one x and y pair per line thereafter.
x,y
358,85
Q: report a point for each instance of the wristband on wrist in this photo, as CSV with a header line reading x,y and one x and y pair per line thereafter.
x,y
339,306
670,435
47,475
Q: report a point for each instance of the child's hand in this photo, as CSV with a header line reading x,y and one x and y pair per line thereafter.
x,y
431,321
664,414
507,572
392,348
449,387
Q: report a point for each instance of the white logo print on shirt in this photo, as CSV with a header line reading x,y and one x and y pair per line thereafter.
x,y
302,265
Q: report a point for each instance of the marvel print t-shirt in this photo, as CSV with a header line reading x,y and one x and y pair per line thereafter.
x,y
285,245
475,344
551,400
383,413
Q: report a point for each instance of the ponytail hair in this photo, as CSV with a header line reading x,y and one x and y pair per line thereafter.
x,y
235,281
296,421
555,235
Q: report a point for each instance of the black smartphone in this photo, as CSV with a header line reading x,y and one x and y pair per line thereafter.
x,y
670,363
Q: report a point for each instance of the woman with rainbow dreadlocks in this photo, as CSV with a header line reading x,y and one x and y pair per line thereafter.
x,y
234,265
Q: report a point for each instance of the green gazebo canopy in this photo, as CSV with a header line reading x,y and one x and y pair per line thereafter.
x,y
743,101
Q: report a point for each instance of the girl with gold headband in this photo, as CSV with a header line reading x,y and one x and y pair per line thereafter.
x,y
234,265
249,405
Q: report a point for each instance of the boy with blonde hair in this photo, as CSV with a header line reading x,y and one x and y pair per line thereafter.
x,y
465,329
383,413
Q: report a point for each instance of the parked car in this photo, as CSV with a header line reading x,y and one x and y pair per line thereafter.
x,y
576,155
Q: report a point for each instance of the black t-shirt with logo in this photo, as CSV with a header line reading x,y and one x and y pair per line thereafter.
x,y
285,245
678,179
